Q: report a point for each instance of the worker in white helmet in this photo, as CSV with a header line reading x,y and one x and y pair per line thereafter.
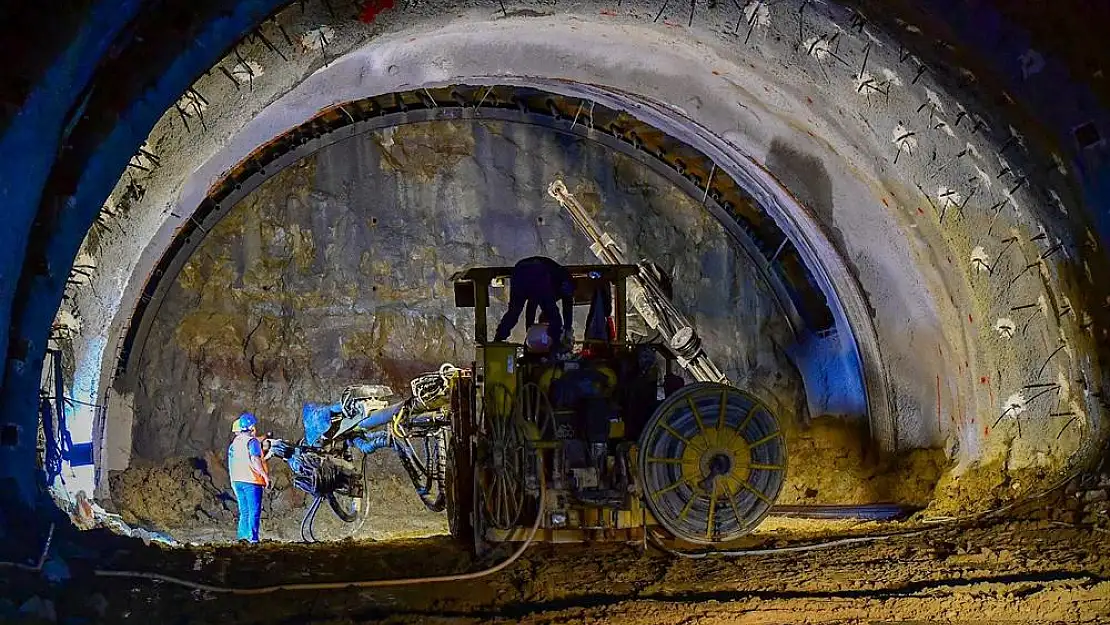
x,y
249,475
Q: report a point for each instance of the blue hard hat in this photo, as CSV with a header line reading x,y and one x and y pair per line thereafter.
x,y
245,422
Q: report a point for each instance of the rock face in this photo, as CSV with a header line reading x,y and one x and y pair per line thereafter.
x,y
336,271
191,498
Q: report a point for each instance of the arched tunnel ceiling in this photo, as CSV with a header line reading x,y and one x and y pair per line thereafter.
x,y
835,384
919,163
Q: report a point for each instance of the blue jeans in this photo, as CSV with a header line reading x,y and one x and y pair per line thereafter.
x,y
249,497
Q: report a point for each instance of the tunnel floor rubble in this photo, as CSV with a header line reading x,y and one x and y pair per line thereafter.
x,y
1051,564
203,508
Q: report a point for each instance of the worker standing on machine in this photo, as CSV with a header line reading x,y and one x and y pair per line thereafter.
x,y
249,476
539,282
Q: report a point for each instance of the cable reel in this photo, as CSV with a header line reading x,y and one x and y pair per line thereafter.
x,y
712,463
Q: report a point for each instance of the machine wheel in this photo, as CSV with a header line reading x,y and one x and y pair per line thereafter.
x,y
348,509
458,517
499,464
354,510
460,462
712,462
534,408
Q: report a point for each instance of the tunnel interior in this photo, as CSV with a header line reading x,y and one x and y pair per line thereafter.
x,y
847,297
870,235
335,271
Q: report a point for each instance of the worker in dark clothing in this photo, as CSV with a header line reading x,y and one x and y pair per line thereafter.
x,y
539,282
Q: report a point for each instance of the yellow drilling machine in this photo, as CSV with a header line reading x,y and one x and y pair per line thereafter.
x,y
608,444
621,439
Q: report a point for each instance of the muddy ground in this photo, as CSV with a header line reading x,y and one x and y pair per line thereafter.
x,y
191,500
1046,563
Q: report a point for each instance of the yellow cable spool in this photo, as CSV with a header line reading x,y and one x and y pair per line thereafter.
x,y
610,376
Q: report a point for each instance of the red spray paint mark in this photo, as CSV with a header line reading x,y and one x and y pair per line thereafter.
x,y
969,319
609,12
373,8
939,428
809,100
982,379
919,211
960,407
986,430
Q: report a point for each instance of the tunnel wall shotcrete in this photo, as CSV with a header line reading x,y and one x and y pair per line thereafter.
x,y
911,148
916,271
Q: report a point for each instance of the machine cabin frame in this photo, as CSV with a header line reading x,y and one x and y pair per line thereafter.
x,y
472,291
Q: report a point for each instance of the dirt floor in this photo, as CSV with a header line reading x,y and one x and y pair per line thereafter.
x,y
1047,563
190,499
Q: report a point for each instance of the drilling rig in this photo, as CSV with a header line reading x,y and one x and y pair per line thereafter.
x,y
606,444
329,463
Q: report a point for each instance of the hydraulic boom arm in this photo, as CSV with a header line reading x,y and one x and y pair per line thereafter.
x,y
645,292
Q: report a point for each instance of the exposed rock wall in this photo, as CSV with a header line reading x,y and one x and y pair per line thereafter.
x,y
337,271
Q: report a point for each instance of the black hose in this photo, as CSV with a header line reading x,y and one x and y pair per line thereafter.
x,y
347,516
310,518
423,481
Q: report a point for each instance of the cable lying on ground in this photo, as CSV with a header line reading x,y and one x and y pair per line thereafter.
x,y
854,540
36,568
868,538
374,583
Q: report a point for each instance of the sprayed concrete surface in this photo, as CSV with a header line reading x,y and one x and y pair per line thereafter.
x,y
933,208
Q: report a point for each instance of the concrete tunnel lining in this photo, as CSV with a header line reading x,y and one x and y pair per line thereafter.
x,y
716,116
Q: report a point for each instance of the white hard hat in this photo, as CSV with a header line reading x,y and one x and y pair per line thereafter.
x,y
538,340
244,422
